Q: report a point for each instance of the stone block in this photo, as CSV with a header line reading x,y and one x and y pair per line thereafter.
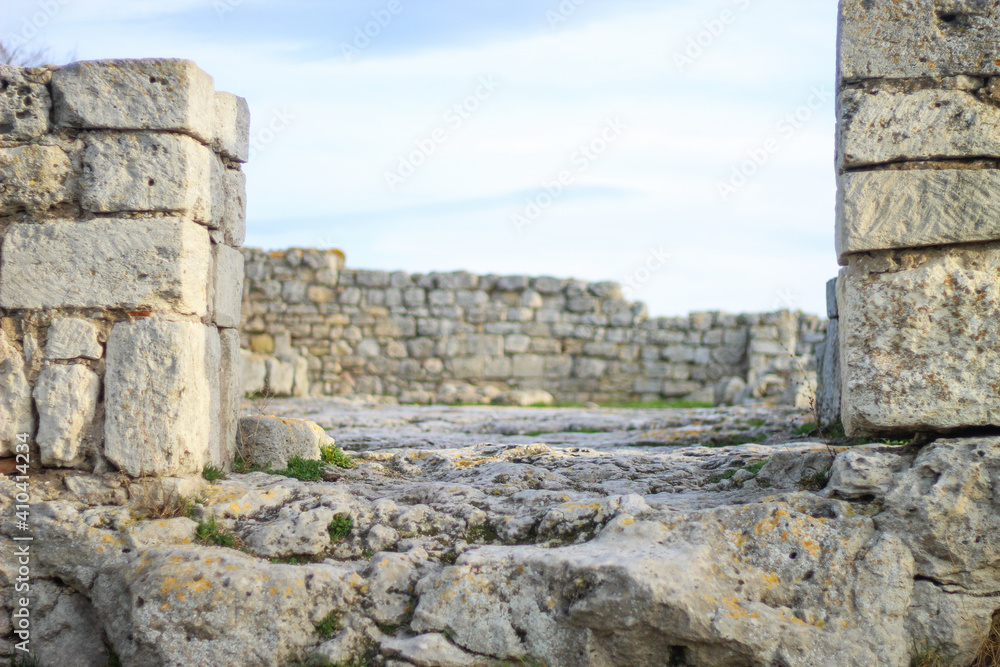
x,y
157,401
882,127
230,394
227,282
73,338
589,368
253,372
142,264
212,371
886,210
882,39
467,367
153,94
15,397
232,127
828,376
832,312
147,172
25,105
280,377
272,441
34,178
919,330
529,366
234,217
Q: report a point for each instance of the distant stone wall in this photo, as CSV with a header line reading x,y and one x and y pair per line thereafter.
x,y
121,207
460,337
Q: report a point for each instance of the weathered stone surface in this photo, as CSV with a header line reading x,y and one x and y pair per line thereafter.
x,y
232,127
15,398
73,338
227,282
24,105
828,377
918,38
274,440
234,220
296,531
153,264
153,94
882,127
918,331
66,629
230,395
885,210
147,172
254,372
213,374
280,376
34,178
157,398
525,398
66,398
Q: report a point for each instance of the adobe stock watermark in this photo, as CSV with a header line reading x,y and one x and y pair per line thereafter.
x,y
454,117
656,260
32,25
364,35
582,159
223,7
279,122
21,614
786,129
785,299
563,11
712,30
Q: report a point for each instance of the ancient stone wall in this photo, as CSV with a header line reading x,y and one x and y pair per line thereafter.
x,y
123,205
918,219
460,337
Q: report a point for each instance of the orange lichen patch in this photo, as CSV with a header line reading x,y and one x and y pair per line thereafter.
x,y
737,610
628,522
771,580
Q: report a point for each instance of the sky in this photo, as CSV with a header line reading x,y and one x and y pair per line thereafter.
x,y
681,147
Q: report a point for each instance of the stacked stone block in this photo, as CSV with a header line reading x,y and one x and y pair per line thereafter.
x,y
461,337
122,207
918,226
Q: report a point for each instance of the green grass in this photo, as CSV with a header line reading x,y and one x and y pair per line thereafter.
x,y
806,429
340,527
211,532
482,533
335,456
329,626
242,466
213,473
756,466
753,468
815,481
303,469
19,659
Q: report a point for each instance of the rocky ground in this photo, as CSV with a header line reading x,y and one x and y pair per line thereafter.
x,y
488,536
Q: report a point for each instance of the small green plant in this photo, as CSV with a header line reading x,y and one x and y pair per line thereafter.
x,y
756,466
481,533
329,626
340,527
449,558
334,455
303,469
213,473
243,466
113,659
806,429
210,532
20,659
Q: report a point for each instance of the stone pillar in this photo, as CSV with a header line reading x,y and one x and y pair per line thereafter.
x,y
122,208
918,218
828,364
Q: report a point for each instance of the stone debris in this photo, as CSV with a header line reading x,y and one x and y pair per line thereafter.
x,y
272,441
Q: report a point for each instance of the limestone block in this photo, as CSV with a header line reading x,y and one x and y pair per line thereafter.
x,y
273,440
832,312
147,172
73,338
234,220
919,38
880,127
15,398
228,285
591,368
529,366
280,377
66,398
230,394
153,94
33,178
918,339
524,398
157,264
232,127
828,376
254,372
157,398
213,374
884,210
25,105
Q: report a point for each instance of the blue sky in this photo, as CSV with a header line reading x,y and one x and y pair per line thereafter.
x,y
646,111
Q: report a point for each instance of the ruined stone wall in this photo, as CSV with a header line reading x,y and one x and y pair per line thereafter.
x,y
460,337
918,224
122,205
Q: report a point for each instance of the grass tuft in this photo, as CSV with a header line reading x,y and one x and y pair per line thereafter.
x,y
335,456
302,469
210,532
340,527
329,626
989,650
213,473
